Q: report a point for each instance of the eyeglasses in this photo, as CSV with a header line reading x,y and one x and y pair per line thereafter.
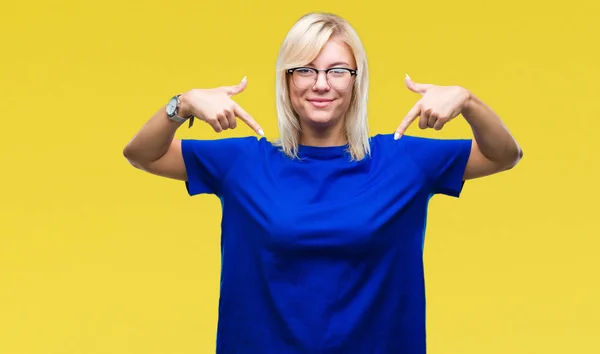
x,y
337,78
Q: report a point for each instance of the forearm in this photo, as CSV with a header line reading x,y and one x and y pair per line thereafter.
x,y
153,140
493,138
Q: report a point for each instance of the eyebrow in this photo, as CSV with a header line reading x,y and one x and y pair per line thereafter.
x,y
337,63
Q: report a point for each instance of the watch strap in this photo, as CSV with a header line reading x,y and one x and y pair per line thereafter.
x,y
177,118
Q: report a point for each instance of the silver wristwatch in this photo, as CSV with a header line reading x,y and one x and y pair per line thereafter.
x,y
173,111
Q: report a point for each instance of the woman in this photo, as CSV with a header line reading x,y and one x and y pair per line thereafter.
x,y
322,231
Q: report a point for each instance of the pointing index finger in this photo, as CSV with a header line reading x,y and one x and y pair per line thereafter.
x,y
247,118
408,119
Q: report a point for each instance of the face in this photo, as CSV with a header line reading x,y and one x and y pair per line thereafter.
x,y
323,104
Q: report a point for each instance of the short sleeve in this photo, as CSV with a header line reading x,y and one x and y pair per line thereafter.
x,y
443,161
208,161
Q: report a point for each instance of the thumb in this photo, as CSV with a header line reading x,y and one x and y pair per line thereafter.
x,y
417,88
239,88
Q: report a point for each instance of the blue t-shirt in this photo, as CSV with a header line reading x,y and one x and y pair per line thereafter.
x,y
323,255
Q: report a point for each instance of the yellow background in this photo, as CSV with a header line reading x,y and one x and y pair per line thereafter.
x,y
97,257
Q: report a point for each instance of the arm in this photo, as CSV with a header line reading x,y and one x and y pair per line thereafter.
x,y
154,150
494,149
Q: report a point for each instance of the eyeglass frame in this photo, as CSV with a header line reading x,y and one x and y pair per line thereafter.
x,y
326,71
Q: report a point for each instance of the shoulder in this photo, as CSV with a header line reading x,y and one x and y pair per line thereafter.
x,y
388,139
441,161
209,161
423,151
410,143
227,151
245,145
385,143
231,142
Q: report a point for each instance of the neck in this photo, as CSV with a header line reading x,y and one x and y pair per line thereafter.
x,y
331,136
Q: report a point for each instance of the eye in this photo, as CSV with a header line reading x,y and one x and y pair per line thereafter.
x,y
338,72
304,72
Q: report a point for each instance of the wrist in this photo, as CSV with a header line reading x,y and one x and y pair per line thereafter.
x,y
469,106
185,109
468,100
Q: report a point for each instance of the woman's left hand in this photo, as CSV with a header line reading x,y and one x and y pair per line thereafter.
x,y
437,106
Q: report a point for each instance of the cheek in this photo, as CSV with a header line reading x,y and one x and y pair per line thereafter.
x,y
295,99
345,101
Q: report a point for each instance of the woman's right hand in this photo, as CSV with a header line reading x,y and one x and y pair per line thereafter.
x,y
215,107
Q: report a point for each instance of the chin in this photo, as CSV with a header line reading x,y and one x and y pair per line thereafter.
x,y
320,118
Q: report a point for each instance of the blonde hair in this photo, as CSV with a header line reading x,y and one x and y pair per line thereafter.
x,y
302,45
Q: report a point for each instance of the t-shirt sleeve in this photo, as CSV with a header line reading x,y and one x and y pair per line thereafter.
x,y
207,162
443,161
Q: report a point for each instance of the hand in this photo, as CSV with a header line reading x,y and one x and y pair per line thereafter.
x,y
438,106
215,107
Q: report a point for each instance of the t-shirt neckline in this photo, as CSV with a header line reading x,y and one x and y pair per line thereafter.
x,y
322,151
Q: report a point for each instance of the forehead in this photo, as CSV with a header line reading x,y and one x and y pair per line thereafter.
x,y
334,53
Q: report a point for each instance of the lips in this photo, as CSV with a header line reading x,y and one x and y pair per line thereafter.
x,y
320,102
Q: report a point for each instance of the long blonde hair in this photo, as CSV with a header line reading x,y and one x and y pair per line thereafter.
x,y
303,43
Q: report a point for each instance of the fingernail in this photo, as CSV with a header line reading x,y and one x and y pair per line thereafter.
x,y
408,77
261,133
244,79
396,136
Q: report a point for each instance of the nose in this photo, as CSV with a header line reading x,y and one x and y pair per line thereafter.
x,y
321,83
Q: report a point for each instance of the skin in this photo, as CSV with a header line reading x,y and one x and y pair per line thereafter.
x,y
493,150
323,126
154,149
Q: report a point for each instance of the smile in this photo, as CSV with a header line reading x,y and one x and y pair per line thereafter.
x,y
320,103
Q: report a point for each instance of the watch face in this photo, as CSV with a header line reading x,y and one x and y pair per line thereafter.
x,y
171,106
